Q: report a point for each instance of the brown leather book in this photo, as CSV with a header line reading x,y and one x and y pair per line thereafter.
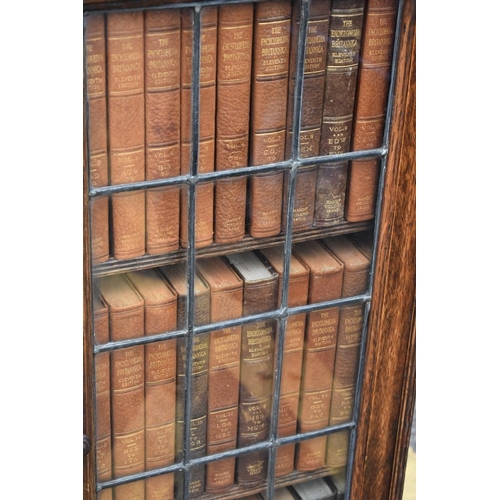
x,y
98,135
293,350
271,52
312,103
125,66
226,302
356,276
163,136
325,283
204,192
102,397
371,105
177,276
160,302
126,321
260,294
346,23
234,69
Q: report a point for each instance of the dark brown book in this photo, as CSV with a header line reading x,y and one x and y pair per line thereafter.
x,y
356,276
271,52
102,397
160,303
125,79
163,101
371,105
98,135
226,302
204,229
293,351
312,103
177,276
260,294
346,22
364,242
126,321
325,283
234,70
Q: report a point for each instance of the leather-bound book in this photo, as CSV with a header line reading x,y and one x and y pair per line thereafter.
x,y
356,276
371,105
293,350
364,242
234,69
126,321
163,120
325,283
102,397
271,52
346,23
177,276
312,103
125,66
226,302
98,134
204,192
260,294
160,302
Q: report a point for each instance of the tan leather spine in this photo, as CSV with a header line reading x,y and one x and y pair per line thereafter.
x,y
234,71
103,397
163,136
346,22
125,45
176,275
268,114
127,384
204,192
312,102
160,302
325,283
98,135
293,351
226,302
371,105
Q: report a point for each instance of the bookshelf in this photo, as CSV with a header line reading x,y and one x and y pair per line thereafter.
x,y
381,425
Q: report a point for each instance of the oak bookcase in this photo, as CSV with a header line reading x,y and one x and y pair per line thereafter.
x,y
387,392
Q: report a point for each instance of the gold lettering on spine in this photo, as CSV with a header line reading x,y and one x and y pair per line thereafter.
x,y
273,49
345,38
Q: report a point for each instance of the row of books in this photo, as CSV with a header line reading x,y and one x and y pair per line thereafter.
x,y
140,389
139,88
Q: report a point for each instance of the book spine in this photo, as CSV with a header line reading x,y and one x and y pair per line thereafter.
x,y
127,392
257,365
103,403
312,101
372,97
205,191
95,46
268,114
346,22
199,390
234,69
160,378
316,388
125,66
163,94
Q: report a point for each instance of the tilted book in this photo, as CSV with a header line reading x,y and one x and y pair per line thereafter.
x,y
176,274
163,120
260,294
346,22
160,302
325,283
125,66
293,351
226,302
126,321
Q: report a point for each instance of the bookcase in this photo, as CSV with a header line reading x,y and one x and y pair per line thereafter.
x,y
378,428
